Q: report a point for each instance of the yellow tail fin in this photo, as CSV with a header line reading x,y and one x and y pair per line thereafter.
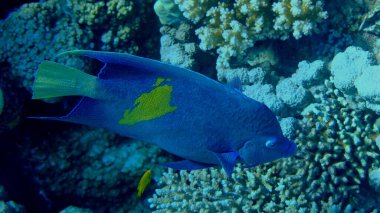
x,y
56,80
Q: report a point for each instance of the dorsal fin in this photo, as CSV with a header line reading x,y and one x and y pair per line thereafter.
x,y
121,64
136,63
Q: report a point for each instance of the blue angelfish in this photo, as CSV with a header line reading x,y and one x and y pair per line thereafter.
x,y
185,113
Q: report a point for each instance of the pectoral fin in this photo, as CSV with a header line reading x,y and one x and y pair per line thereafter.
x,y
187,165
227,160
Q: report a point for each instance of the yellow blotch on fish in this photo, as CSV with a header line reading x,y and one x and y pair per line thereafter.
x,y
150,105
144,182
159,81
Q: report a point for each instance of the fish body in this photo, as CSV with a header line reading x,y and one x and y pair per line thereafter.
x,y
144,182
187,114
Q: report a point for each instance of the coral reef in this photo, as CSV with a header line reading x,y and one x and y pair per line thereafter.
x,y
309,74
194,10
265,93
232,28
332,115
174,50
245,75
288,93
73,209
39,31
293,95
167,11
9,206
374,179
98,162
347,66
355,74
338,156
337,151
294,91
289,126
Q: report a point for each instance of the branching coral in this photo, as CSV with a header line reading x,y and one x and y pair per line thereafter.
x,y
174,50
233,28
194,10
211,191
297,17
337,151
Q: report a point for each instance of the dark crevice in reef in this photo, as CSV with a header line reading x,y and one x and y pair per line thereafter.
x,y
17,178
17,134
8,6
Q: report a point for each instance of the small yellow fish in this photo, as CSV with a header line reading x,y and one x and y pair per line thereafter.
x,y
144,182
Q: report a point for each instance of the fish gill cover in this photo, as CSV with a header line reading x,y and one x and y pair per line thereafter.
x,y
313,63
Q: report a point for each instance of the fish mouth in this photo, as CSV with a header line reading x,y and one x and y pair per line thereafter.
x,y
290,150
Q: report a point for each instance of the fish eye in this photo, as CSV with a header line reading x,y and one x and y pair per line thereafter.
x,y
272,143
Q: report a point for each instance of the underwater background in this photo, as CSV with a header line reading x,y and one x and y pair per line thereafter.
x,y
315,64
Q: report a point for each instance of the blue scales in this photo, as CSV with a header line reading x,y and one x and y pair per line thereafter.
x,y
183,112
